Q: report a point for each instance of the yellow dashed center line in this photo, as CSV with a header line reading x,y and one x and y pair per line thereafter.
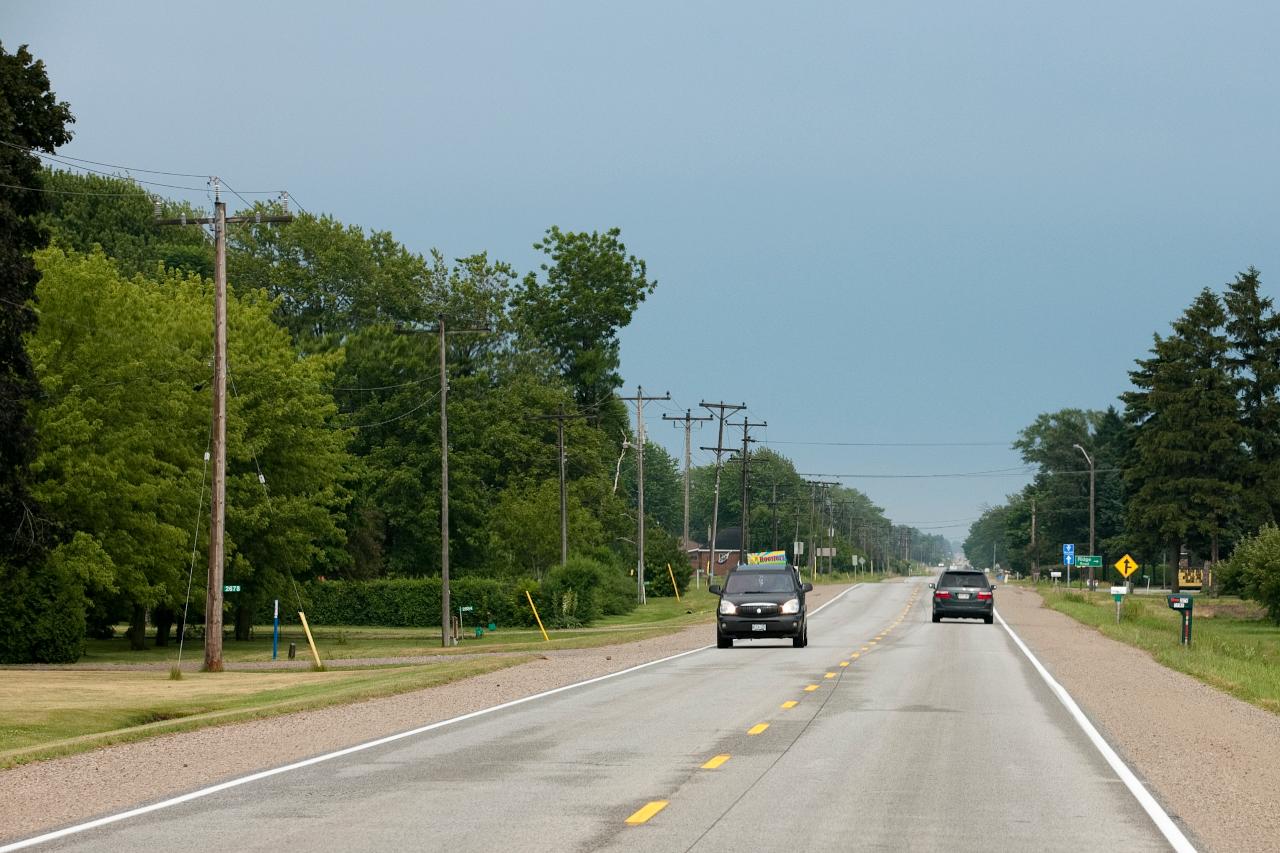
x,y
715,762
855,655
865,649
811,688
844,663
829,675
648,811
790,703
757,728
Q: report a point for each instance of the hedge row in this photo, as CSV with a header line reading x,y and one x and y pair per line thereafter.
x,y
415,602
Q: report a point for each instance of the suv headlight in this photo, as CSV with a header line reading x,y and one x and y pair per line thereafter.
x,y
792,606
728,608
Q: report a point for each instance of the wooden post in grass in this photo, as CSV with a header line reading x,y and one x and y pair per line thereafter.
x,y
673,582
536,616
310,641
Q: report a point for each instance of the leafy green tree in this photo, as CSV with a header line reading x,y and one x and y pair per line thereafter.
x,y
116,215
1185,470
1254,569
590,290
524,529
331,280
125,423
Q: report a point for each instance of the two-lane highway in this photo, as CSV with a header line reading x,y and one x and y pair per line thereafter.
x,y
887,732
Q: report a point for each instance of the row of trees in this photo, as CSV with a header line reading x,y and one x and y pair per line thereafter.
x,y
1186,470
333,438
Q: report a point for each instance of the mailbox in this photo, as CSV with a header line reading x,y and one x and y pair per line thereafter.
x,y
1184,604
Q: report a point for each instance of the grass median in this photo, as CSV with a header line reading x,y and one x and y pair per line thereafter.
x,y
1234,647
47,713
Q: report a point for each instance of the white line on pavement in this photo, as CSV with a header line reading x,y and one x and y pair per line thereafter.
x,y
1157,814
360,747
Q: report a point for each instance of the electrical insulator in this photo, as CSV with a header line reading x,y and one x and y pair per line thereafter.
x,y
284,200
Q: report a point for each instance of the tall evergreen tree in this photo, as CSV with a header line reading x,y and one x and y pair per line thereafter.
x,y
1187,459
1253,330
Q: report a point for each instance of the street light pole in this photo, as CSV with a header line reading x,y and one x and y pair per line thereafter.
x,y
1089,459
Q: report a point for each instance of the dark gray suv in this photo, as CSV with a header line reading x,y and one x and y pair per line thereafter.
x,y
963,595
762,601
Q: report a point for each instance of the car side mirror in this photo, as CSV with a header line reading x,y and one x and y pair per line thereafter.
x,y
807,587
714,589
932,586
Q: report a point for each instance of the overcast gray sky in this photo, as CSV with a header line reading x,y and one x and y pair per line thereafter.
x,y
890,222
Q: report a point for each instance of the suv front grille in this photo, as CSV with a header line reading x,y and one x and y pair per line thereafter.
x,y
761,609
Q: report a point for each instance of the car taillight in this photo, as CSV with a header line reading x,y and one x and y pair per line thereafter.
x,y
984,596
942,593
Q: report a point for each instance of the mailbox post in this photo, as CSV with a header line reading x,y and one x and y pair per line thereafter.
x,y
1185,605
1118,593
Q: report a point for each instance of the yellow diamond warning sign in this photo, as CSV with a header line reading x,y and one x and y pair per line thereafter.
x,y
1126,565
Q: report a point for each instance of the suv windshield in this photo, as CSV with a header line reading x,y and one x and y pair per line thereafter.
x,y
748,582
964,579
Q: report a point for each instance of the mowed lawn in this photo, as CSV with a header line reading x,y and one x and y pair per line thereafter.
x,y
347,642
1234,647
53,712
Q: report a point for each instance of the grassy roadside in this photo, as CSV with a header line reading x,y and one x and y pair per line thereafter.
x,y
1234,648
49,713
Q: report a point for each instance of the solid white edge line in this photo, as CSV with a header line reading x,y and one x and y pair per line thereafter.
x,y
360,747
1157,814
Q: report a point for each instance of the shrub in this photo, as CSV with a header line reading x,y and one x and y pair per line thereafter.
x,y
1254,569
41,613
572,594
414,602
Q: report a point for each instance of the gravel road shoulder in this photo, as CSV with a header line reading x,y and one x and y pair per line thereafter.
x,y
1212,760
61,791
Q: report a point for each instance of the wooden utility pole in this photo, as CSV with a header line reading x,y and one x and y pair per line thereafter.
x,y
560,417
1035,561
746,514
218,501
441,332
688,420
724,410
639,399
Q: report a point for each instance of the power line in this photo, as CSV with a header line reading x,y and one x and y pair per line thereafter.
x,y
96,163
895,443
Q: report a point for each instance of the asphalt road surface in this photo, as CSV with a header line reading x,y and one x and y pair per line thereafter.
x,y
887,732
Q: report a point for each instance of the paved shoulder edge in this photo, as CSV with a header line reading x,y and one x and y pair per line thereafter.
x,y
1158,815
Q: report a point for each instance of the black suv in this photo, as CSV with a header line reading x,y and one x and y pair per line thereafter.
x,y
963,595
762,601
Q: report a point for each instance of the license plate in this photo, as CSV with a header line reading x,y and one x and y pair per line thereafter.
x,y
759,626
962,595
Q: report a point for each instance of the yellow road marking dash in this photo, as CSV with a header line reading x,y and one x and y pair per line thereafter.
x,y
865,649
844,663
790,703
855,655
648,811
715,762
811,688
757,728
873,642
829,675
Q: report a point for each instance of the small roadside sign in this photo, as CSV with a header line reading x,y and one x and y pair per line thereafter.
x,y
797,548
466,609
231,588
1126,565
1055,574
1088,561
